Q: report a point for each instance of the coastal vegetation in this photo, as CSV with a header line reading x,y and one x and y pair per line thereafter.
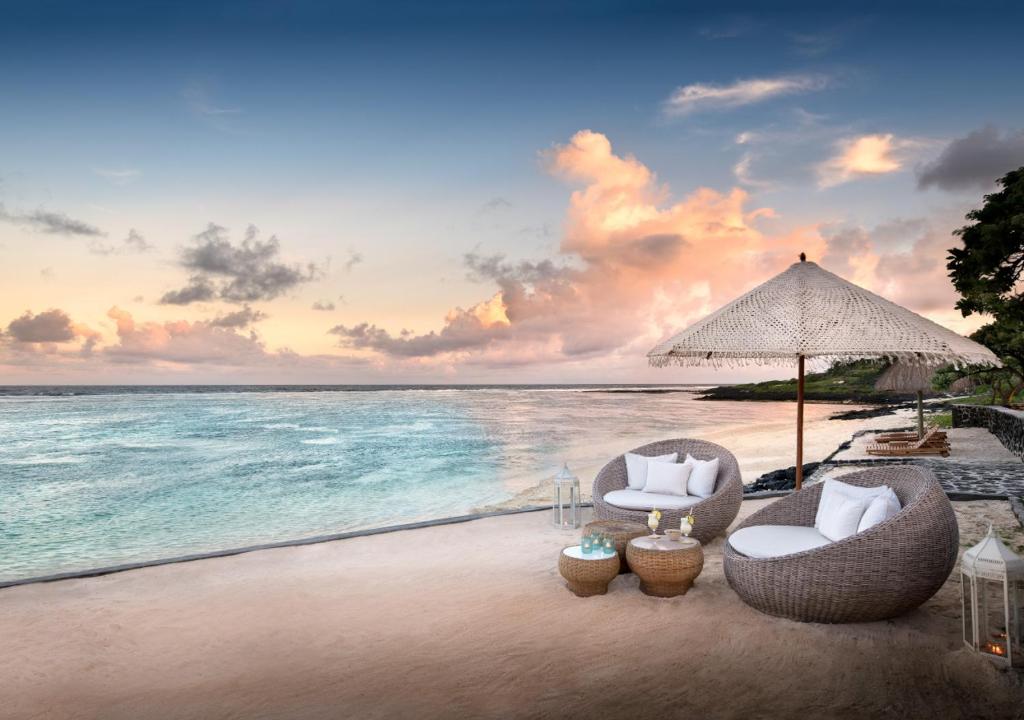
x,y
852,381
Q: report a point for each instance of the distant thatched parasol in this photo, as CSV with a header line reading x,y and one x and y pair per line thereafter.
x,y
805,312
901,377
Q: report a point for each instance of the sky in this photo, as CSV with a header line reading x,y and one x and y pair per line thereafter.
x,y
316,192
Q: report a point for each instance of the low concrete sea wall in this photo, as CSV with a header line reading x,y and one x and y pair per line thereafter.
x,y
1007,425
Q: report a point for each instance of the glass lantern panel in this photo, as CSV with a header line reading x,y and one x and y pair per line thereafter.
x,y
967,596
1017,625
992,617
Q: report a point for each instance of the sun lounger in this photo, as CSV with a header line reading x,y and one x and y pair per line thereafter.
x,y
928,445
910,436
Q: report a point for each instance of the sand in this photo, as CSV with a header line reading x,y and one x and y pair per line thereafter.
x,y
469,620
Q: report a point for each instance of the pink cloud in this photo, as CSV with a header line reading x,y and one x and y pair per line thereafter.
x,y
633,265
181,341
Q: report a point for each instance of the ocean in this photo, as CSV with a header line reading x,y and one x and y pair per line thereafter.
x,y
92,477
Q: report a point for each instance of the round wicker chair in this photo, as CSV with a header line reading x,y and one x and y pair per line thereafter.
x,y
880,573
712,515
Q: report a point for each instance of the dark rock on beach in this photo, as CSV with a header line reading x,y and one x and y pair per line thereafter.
x,y
871,412
780,479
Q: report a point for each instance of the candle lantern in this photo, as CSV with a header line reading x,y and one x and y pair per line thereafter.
x,y
567,499
992,586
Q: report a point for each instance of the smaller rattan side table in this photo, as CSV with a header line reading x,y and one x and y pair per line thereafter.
x,y
587,575
666,568
621,532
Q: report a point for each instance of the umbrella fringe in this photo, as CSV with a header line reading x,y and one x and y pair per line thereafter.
x,y
725,359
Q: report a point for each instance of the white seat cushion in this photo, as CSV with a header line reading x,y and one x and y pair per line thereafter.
x,y
639,500
768,541
636,468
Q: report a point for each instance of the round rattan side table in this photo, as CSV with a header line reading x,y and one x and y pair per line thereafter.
x,y
621,532
587,574
666,568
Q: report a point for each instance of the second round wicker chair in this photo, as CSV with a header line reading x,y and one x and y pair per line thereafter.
x,y
712,515
876,574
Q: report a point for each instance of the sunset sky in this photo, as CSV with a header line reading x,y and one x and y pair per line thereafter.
x,y
314,192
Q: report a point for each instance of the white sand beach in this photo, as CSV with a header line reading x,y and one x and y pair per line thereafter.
x,y
464,621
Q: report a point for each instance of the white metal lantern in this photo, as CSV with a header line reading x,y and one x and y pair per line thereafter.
x,y
992,583
567,499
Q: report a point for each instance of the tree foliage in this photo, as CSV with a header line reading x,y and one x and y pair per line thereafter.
x,y
986,272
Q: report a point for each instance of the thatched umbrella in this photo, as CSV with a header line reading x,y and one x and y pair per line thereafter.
x,y
901,377
807,312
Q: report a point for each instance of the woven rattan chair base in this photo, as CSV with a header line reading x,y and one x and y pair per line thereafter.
x,y
664,570
621,532
588,577
876,574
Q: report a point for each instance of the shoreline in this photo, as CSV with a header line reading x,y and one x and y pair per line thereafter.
x,y
758,447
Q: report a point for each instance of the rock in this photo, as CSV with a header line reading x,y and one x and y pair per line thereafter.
x,y
780,479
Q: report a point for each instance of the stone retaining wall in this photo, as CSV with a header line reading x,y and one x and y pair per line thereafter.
x,y
1005,424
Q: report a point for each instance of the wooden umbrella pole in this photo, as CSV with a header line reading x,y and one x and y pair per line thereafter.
x,y
800,424
920,414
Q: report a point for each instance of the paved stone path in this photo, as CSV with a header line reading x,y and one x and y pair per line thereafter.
x,y
995,478
980,464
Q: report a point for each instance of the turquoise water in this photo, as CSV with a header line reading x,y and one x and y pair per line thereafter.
x,y
94,480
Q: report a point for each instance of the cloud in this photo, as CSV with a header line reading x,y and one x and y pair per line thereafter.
x,y
32,338
354,258
133,243
199,289
246,272
813,44
463,330
863,156
904,259
51,326
239,319
197,97
181,341
51,223
118,176
702,96
845,245
324,305
744,174
633,265
495,203
976,160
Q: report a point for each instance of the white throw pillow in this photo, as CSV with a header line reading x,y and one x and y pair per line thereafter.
x,y
833,489
842,517
881,509
667,478
703,474
636,468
